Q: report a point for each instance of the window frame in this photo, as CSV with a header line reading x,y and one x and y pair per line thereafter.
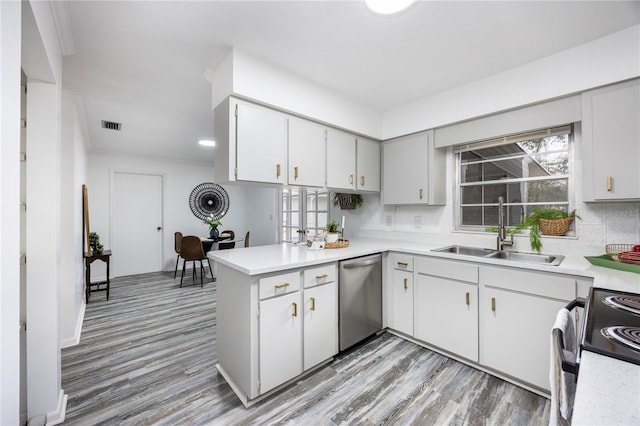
x,y
301,213
458,150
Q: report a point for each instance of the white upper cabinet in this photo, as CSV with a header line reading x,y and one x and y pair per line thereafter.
x,y
306,153
261,144
368,165
251,143
413,171
611,142
341,160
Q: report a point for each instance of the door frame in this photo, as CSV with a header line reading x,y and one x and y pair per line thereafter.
x,y
112,188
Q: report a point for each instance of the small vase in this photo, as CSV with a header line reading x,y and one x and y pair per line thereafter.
x,y
332,237
214,233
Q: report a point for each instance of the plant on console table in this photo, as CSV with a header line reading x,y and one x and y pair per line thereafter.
x,y
213,226
94,243
332,232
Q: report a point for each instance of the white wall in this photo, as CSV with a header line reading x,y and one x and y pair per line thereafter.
x,y
180,178
10,36
609,59
73,166
257,80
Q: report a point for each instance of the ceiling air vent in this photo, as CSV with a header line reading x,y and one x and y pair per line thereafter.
x,y
111,125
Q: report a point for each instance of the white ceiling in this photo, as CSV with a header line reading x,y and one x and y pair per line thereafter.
x,y
143,63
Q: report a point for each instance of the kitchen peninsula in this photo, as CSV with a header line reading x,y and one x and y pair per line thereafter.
x,y
249,279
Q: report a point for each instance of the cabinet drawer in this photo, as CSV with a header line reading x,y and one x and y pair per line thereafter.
x,y
450,269
401,262
279,284
320,275
539,283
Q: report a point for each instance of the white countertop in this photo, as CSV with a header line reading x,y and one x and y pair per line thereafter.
x,y
607,390
278,257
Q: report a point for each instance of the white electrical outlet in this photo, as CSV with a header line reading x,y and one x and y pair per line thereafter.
x,y
388,220
417,221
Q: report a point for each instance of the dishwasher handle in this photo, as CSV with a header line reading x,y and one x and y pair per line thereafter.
x,y
362,263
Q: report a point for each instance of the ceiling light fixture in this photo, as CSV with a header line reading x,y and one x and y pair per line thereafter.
x,y
388,7
207,142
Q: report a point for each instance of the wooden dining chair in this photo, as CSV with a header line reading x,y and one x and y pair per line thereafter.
x,y
225,245
246,239
177,242
191,250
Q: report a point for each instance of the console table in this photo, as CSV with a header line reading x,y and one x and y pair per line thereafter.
x,y
99,285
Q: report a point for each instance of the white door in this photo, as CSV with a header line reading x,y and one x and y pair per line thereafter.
x,y
136,225
403,301
306,153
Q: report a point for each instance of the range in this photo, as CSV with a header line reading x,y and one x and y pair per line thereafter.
x,y
612,324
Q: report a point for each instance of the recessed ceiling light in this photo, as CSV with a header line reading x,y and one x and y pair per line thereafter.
x,y
207,142
388,7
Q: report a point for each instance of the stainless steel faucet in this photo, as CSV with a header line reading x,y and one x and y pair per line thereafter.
x,y
502,231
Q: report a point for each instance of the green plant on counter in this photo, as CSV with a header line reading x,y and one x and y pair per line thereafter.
x,y
332,226
532,221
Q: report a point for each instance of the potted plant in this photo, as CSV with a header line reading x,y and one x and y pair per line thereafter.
x,y
347,201
546,222
332,232
94,243
213,226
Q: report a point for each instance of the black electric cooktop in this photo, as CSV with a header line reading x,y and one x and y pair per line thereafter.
x,y
612,324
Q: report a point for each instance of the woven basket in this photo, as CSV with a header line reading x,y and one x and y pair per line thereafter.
x,y
555,226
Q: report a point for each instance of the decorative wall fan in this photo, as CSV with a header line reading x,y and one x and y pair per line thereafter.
x,y
209,199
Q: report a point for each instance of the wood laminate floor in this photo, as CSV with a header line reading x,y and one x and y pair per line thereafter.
x,y
147,356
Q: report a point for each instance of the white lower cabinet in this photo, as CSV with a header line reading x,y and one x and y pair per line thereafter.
x,y
517,311
447,315
403,301
299,329
446,305
400,292
320,324
280,340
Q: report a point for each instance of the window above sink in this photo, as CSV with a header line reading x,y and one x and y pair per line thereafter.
x,y
529,170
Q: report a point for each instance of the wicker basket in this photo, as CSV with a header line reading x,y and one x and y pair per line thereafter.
x,y
614,249
555,226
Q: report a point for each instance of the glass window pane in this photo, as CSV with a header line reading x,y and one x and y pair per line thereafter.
x,y
471,216
295,220
311,201
472,194
547,191
311,220
322,220
471,173
295,204
322,201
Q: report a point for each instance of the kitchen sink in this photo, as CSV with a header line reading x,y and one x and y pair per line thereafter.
x,y
513,256
468,251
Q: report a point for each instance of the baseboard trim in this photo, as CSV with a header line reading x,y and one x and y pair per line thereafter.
x,y
56,417
72,341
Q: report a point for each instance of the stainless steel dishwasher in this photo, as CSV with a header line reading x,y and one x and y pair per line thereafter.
x,y
360,299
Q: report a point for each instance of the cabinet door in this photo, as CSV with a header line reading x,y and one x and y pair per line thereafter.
x,y
320,324
280,340
341,160
515,333
306,153
261,144
402,293
368,165
446,315
405,171
612,142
